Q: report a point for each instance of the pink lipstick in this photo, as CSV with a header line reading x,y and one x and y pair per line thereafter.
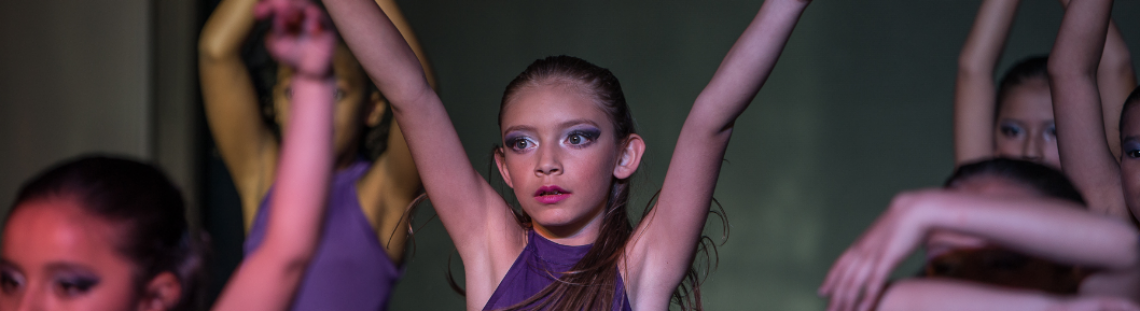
x,y
551,194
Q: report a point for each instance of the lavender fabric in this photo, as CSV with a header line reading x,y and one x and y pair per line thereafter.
x,y
537,266
351,270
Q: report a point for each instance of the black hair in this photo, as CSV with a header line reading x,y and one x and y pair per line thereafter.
x,y
1132,100
1046,180
142,203
263,71
1030,68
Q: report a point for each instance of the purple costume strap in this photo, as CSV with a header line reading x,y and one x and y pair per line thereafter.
x,y
351,269
537,267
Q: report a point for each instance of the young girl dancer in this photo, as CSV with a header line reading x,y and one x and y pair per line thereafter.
x,y
103,233
1018,206
568,151
357,265
1016,119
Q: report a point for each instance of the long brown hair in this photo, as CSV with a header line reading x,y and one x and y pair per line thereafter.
x,y
591,283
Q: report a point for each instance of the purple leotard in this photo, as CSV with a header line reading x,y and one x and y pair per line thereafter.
x,y
533,271
351,270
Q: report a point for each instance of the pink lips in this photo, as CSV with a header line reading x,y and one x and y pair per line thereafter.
x,y
551,194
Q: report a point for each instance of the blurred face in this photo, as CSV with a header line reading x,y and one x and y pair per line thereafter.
x,y
354,105
1130,156
559,155
57,257
943,241
1025,127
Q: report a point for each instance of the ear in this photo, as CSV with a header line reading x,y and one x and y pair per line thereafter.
x,y
162,293
376,108
629,157
501,163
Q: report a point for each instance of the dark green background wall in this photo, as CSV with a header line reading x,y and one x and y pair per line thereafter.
x,y
858,108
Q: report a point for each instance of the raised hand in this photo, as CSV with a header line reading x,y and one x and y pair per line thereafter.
x,y
856,280
301,37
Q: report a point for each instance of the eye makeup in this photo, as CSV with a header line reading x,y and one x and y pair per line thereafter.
x,y
582,136
10,279
1130,148
74,283
518,142
1010,129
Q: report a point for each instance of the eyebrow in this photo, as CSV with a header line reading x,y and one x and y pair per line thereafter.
x,y
4,262
565,124
68,266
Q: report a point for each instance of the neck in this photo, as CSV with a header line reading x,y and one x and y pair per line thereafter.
x,y
582,232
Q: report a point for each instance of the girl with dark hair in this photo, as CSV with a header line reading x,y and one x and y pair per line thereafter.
x,y
1016,120
1011,208
375,180
103,233
569,148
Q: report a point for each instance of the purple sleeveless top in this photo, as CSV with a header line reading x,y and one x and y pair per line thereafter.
x,y
537,267
351,270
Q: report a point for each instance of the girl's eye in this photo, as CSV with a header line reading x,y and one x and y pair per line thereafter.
x,y
576,139
10,282
520,144
340,93
1052,130
71,287
289,92
1131,149
1010,130
581,137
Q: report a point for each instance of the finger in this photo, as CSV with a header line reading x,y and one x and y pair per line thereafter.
x,y
872,289
832,274
853,286
840,284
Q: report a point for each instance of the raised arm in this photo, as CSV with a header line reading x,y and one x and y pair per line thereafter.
x,y
475,216
267,279
1115,79
397,160
1029,225
393,181
663,244
232,111
1083,145
975,94
952,295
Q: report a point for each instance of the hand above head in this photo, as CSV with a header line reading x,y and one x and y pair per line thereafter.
x,y
302,36
856,279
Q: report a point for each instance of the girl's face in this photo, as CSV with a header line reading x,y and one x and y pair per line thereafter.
x,y
57,257
1025,127
560,156
1130,156
939,242
354,109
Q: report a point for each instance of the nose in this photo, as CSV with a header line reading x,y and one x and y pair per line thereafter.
x,y
1033,149
29,300
548,161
